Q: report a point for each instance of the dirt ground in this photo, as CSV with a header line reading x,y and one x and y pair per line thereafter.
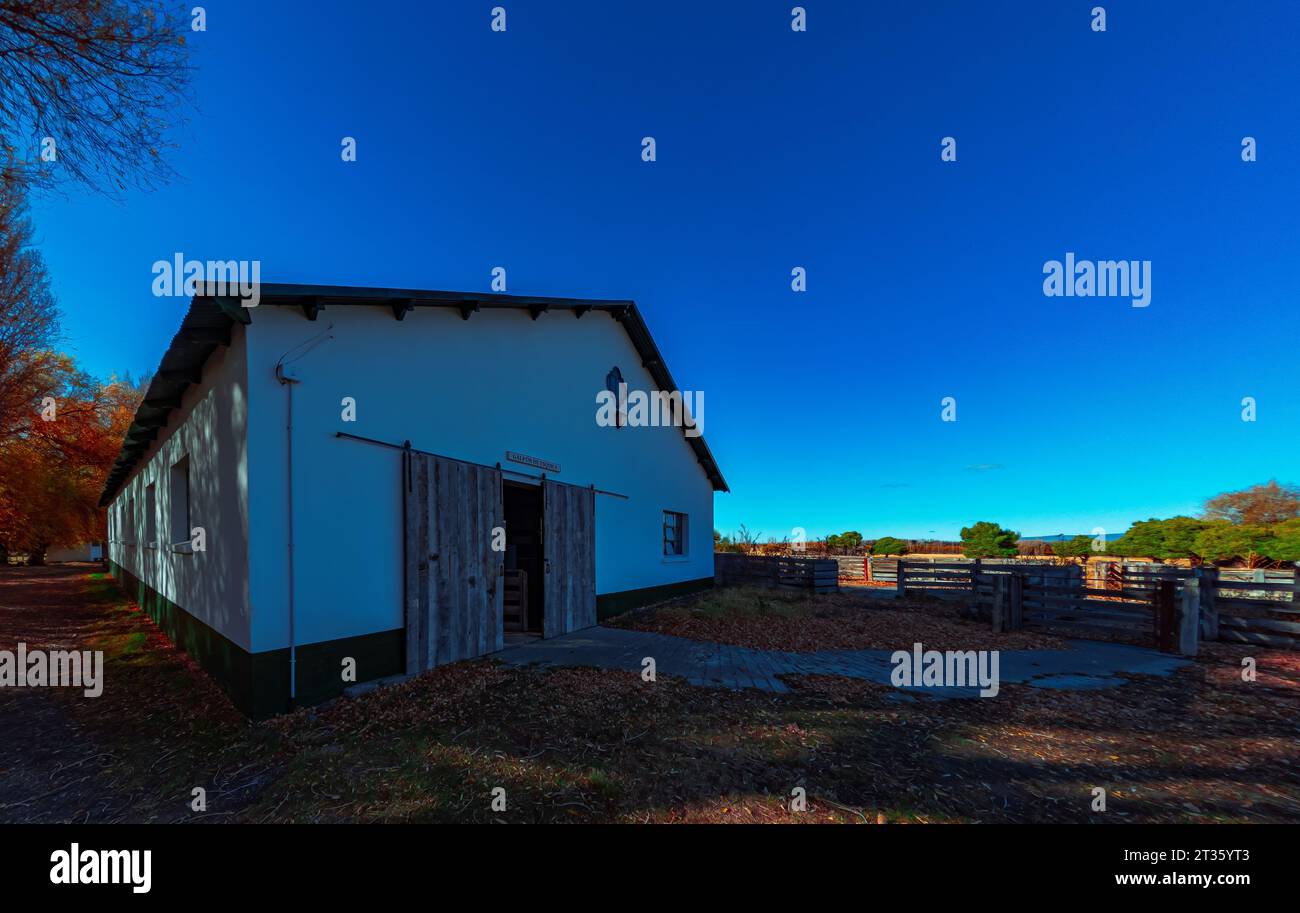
x,y
598,746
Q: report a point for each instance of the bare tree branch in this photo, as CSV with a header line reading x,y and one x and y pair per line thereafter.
x,y
88,89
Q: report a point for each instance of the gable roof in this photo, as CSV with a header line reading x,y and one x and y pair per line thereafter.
x,y
208,323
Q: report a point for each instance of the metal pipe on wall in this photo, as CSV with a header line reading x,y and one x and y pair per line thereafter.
x,y
287,382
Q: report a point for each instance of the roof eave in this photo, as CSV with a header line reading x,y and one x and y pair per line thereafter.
x,y
209,321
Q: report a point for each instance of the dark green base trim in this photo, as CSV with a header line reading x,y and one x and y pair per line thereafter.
x,y
610,604
258,683
223,659
320,665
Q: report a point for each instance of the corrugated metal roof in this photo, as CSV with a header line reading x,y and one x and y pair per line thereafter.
x,y
208,323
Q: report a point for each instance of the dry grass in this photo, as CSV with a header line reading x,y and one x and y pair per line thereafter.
x,y
804,623
603,746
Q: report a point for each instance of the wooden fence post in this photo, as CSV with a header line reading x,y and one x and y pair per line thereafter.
x,y
1209,602
1015,617
1001,595
1189,621
1162,612
901,578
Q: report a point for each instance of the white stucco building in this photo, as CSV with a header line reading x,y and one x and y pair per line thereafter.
x,y
344,474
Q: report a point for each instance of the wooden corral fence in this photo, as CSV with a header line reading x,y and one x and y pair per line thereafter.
x,y
959,578
1172,607
820,575
1240,605
935,577
852,568
1057,598
884,570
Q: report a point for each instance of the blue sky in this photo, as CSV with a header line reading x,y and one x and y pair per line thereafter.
x,y
775,150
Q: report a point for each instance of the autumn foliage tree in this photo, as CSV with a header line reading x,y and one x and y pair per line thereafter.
x,y
52,472
87,90
1259,505
55,468
29,322
60,430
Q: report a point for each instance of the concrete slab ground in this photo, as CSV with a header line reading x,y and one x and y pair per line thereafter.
x,y
1086,665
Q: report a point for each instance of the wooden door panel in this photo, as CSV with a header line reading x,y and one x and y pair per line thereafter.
x,y
453,578
570,551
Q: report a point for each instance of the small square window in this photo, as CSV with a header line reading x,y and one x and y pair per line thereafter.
x,y
674,533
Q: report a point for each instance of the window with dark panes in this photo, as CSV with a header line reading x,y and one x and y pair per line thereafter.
x,y
674,533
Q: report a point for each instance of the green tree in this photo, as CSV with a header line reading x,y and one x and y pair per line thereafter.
x,y
850,540
1180,536
1075,547
988,540
1285,544
1142,540
888,545
1163,539
1225,541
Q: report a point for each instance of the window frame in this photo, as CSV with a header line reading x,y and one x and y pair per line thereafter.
x,y
681,527
179,469
126,522
151,515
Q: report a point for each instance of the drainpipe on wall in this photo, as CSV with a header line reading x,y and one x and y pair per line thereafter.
x,y
287,382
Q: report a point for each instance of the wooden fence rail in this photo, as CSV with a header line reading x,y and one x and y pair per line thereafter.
x,y
1261,609
976,577
820,575
852,567
1175,609
1237,605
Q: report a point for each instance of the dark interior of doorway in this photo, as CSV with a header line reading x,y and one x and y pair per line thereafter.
x,y
524,543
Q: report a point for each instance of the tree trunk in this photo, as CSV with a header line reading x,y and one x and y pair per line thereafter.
x,y
36,557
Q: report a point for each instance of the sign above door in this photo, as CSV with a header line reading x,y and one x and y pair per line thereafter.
x,y
536,462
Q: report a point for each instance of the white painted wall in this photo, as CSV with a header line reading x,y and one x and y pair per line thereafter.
x,y
466,389
210,426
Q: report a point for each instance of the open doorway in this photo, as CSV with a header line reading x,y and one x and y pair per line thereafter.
x,y
525,565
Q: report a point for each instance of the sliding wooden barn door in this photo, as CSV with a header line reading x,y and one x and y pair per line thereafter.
x,y
570,551
453,577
